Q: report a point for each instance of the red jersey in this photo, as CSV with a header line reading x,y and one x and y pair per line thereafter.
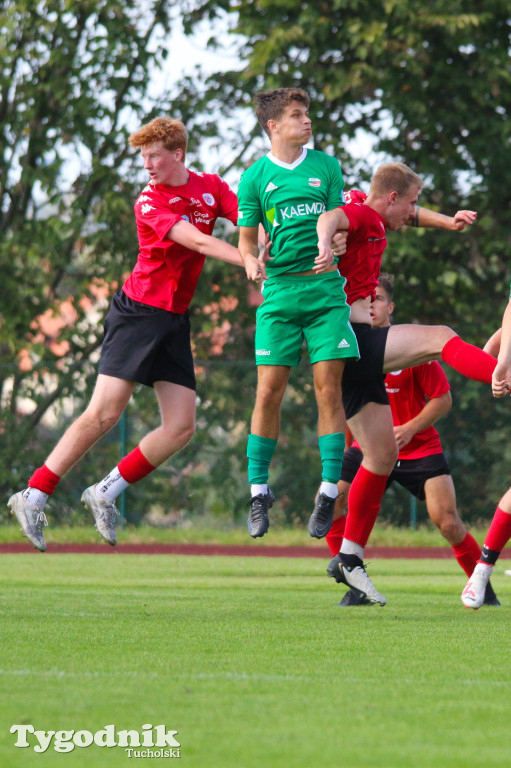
x,y
367,240
408,391
166,273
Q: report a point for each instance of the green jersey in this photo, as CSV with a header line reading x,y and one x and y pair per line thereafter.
x,y
287,200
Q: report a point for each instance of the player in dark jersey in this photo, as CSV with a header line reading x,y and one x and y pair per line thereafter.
x,y
392,202
418,397
147,330
285,191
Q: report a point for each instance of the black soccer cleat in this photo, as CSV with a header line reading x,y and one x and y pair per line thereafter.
x,y
322,517
352,598
350,570
258,521
490,598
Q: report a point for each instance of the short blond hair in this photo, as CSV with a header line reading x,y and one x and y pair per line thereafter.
x,y
394,177
171,133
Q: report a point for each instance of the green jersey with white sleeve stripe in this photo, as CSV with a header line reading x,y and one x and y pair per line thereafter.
x,y
287,200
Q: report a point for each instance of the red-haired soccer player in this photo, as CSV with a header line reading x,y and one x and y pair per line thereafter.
x,y
391,203
147,330
499,532
418,397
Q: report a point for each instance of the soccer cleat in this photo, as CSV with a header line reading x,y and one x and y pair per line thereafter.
x,y
474,593
30,519
321,519
105,513
258,521
350,570
490,598
352,598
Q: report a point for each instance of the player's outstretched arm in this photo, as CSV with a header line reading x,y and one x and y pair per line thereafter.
x,y
186,234
424,217
492,346
501,379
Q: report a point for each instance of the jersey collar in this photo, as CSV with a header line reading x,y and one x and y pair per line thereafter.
x,y
290,166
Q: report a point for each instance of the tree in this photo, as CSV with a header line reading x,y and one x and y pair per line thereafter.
x,y
430,86
72,78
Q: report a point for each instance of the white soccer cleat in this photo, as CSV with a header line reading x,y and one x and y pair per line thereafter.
x,y
473,594
352,573
105,513
31,520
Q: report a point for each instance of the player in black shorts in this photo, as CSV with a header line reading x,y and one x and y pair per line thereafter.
x,y
147,330
418,397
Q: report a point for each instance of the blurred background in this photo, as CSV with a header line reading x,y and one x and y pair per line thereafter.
x,y
387,80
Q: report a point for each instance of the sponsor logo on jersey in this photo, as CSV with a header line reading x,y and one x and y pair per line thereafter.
x,y
271,186
200,217
194,201
270,215
174,200
208,199
303,209
314,182
186,218
343,344
146,208
263,352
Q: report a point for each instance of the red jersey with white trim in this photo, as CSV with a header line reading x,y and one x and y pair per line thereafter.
x,y
408,391
166,273
367,239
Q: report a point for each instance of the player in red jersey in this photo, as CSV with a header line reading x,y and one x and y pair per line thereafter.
x,y
147,330
392,202
499,531
418,397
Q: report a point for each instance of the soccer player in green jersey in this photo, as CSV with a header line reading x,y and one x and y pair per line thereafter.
x,y
286,191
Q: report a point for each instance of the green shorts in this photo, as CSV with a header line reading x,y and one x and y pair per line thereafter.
x,y
296,308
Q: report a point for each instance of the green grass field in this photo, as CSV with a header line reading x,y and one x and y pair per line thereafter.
x,y
253,663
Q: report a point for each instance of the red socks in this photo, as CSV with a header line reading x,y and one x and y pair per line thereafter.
x,y
364,501
499,532
335,535
471,361
134,466
44,480
467,553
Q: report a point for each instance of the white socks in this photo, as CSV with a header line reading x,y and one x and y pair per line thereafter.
x,y
329,489
111,485
35,498
255,490
350,548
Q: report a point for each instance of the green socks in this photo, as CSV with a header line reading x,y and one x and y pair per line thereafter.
x,y
331,450
259,452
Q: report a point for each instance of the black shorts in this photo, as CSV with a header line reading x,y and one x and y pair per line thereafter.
x,y
410,473
146,344
363,379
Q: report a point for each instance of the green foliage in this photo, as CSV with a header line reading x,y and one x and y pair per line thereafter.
x,y
428,85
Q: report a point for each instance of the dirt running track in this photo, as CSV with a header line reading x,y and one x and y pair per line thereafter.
x,y
249,550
